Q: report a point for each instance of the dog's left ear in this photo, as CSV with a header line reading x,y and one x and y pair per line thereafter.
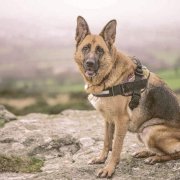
x,y
82,29
109,33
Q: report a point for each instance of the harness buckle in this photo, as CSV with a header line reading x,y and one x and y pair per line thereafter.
x,y
121,89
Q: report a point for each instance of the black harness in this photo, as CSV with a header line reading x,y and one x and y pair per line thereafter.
x,y
133,89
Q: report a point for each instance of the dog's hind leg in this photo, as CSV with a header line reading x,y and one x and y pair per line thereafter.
x,y
143,153
158,159
108,138
164,141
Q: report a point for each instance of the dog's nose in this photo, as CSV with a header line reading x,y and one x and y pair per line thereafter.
x,y
90,63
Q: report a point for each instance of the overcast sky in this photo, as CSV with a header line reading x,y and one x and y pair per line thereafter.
x,y
136,12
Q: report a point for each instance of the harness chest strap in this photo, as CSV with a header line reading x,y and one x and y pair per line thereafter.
x,y
125,89
129,88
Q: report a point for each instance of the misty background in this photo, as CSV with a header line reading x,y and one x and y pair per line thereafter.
x,y
37,43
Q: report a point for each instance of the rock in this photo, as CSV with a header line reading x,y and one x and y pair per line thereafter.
x,y
67,142
86,142
60,146
6,115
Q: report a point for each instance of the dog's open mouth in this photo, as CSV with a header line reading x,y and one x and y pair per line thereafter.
x,y
90,73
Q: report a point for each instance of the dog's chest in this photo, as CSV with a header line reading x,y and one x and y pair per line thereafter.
x,y
113,107
95,101
109,107
102,106
105,104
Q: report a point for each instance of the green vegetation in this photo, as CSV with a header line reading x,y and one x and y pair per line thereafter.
x,y
171,77
65,95
41,106
37,87
41,91
20,164
72,88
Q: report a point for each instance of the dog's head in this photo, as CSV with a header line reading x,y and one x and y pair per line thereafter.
x,y
94,53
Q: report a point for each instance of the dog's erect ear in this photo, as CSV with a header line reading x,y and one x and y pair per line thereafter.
x,y
109,33
82,29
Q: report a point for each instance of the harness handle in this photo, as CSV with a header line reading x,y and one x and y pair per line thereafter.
x,y
136,95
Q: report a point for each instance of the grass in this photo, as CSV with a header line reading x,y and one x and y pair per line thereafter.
x,y
77,100
36,87
41,90
171,77
70,88
20,164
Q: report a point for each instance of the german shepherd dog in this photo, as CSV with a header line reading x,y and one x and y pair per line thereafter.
x,y
156,119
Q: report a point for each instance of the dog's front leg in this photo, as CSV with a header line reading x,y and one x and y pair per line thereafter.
x,y
108,137
121,126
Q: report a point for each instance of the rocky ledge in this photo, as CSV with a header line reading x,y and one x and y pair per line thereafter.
x,y
66,142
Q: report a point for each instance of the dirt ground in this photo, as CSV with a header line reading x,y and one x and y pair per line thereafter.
x,y
66,142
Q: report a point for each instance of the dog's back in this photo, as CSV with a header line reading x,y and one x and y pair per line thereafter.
x,y
162,103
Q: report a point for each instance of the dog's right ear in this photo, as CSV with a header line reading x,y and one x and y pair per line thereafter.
x,y
82,29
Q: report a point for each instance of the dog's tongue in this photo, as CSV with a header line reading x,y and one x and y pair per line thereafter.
x,y
89,73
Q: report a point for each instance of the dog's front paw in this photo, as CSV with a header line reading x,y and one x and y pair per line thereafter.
x,y
97,160
106,172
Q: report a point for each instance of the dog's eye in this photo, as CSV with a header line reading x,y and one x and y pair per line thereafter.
x,y
86,47
99,50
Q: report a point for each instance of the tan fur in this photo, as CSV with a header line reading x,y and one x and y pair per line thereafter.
x,y
161,140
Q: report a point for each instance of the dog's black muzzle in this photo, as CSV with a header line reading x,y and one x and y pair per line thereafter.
x,y
91,67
